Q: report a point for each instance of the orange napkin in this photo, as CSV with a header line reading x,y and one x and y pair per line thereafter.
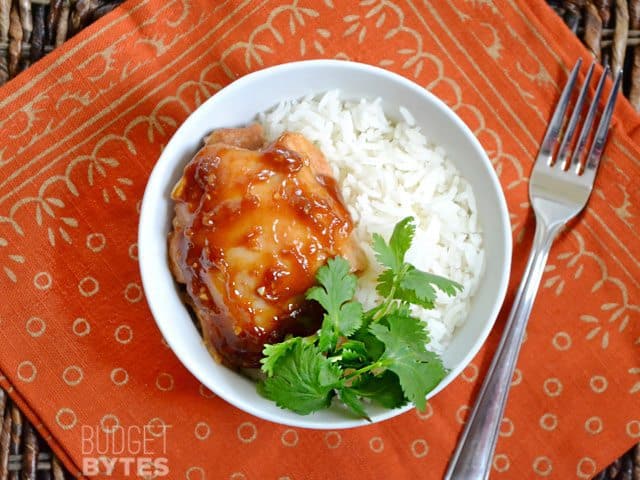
x,y
81,130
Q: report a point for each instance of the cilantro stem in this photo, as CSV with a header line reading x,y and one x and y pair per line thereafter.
x,y
365,369
387,303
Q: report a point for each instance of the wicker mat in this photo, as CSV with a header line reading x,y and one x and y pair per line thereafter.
x,y
30,29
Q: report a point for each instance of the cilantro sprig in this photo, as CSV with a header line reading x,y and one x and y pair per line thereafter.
x,y
359,356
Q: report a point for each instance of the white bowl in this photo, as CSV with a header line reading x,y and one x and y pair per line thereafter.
x,y
238,104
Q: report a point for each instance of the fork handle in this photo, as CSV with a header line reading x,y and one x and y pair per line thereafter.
x,y
473,456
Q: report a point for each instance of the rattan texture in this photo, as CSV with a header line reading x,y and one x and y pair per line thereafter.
x,y
23,453
611,31
30,29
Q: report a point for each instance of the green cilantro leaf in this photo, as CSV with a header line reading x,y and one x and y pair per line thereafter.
x,y
372,345
406,287
354,354
304,380
391,255
327,337
447,286
386,281
350,318
351,357
383,389
417,289
384,253
418,370
351,400
335,293
401,238
414,286
273,353
355,346
337,285
422,285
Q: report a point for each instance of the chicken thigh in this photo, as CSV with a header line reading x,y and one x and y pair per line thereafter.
x,y
252,225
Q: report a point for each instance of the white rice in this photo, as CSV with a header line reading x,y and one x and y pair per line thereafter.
x,y
388,170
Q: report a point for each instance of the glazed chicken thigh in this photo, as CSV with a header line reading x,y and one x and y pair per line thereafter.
x,y
253,223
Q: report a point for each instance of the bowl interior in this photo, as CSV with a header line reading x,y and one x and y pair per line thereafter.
x,y
237,105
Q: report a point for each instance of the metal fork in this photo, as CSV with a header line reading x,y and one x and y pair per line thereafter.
x,y
559,188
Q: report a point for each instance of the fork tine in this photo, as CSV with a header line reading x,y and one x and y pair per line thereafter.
x,y
595,152
588,121
553,130
564,150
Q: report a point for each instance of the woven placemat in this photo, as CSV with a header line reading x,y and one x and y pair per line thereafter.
x,y
23,453
31,28
611,30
